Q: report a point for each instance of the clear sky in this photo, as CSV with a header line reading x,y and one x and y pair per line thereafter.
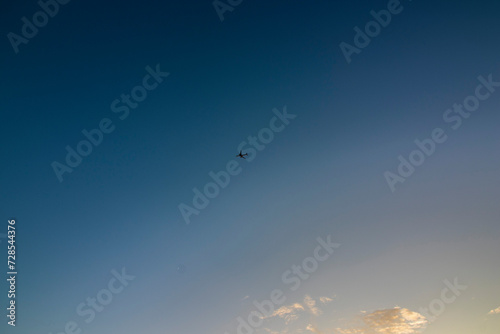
x,y
117,244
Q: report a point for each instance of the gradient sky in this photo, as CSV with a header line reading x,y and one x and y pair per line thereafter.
x,y
322,175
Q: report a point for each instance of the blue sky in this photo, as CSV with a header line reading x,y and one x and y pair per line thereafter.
x,y
322,175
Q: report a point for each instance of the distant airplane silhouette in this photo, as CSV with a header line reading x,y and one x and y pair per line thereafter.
x,y
241,155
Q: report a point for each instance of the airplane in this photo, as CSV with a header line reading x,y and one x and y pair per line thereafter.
x,y
241,155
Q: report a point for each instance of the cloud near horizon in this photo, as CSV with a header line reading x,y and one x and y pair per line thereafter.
x,y
395,320
388,321
494,311
291,312
311,305
325,300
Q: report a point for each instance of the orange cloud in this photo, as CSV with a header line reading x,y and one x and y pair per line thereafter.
x,y
495,311
389,321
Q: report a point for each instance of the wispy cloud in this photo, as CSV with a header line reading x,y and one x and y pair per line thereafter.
x,y
271,331
303,314
389,321
311,305
325,300
495,311
292,312
287,312
314,329
395,320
